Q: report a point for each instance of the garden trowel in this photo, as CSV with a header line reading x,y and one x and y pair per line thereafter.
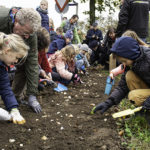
x,y
126,112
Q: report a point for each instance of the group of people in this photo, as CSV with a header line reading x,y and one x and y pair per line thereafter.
x,y
26,42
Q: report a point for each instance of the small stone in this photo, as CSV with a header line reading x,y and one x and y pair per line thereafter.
x,y
66,115
67,100
92,104
58,123
121,132
45,116
52,120
65,93
36,119
58,113
21,145
69,97
57,104
70,116
81,138
44,138
12,140
62,128
105,119
104,147
29,129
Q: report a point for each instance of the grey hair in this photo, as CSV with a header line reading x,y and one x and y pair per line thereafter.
x,y
13,42
31,16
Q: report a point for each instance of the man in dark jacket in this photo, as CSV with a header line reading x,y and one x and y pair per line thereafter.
x,y
25,23
134,15
135,82
94,34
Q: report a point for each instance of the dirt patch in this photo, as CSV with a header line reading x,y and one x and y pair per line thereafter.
x,y
65,123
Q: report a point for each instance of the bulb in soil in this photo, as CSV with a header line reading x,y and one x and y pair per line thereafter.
x,y
4,115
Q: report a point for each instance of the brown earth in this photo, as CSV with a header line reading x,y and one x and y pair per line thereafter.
x,y
66,122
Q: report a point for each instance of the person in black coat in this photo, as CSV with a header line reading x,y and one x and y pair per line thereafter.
x,y
94,34
135,82
108,41
134,15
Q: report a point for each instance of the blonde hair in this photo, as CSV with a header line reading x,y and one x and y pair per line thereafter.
x,y
13,42
45,2
29,16
135,36
68,53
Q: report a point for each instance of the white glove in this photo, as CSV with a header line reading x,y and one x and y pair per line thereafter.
x,y
16,116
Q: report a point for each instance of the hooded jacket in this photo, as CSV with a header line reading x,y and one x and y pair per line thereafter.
x,y
140,67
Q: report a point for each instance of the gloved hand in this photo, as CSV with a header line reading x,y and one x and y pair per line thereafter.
x,y
76,78
103,106
146,104
52,83
34,104
16,117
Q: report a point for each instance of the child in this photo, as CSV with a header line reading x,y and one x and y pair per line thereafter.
x,y
135,36
43,43
63,65
81,59
135,82
60,42
43,11
12,49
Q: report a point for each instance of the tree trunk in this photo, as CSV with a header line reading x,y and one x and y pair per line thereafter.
x,y
92,11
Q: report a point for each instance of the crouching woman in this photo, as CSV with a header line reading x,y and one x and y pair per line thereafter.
x,y
12,49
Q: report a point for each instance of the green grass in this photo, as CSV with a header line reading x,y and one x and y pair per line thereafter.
x,y
136,129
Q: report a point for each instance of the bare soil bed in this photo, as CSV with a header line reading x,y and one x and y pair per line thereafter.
x,y
66,122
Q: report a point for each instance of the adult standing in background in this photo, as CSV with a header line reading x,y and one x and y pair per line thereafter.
x,y
134,15
71,24
25,23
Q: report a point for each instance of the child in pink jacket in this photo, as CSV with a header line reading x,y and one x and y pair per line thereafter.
x,y
63,65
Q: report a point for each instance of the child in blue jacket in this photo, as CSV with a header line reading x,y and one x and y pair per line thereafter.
x,y
43,11
12,49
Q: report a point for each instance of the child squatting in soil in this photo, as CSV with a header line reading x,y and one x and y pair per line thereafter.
x,y
135,82
63,65
12,48
44,68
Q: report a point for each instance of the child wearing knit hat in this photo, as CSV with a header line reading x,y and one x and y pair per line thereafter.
x,y
135,82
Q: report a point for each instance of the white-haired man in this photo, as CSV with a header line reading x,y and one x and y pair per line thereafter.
x,y
24,22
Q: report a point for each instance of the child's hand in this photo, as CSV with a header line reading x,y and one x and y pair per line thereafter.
x,y
16,116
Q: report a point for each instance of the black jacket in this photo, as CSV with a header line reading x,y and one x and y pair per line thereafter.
x,y
98,35
140,67
134,15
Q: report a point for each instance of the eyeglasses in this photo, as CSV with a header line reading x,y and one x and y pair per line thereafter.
x,y
21,60
26,35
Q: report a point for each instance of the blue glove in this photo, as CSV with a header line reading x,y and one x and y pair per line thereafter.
x,y
34,104
103,106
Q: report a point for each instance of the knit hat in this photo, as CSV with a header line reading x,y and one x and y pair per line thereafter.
x,y
93,44
95,24
84,47
69,34
126,47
